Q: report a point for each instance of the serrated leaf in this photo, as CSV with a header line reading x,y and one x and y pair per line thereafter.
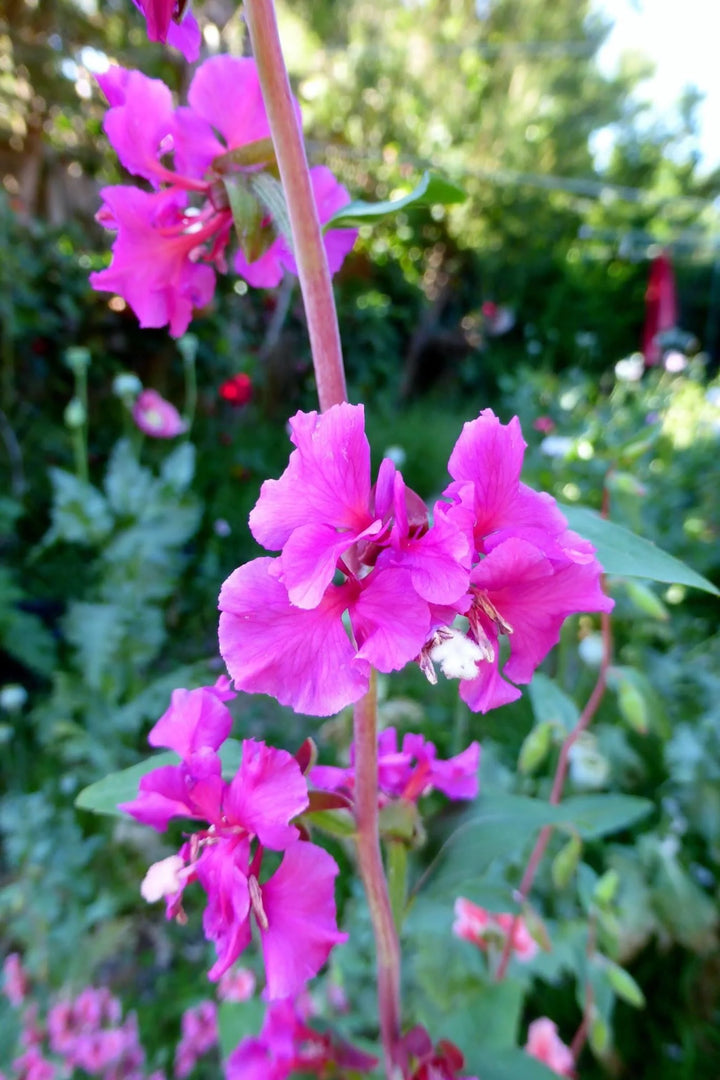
x,y
178,468
432,190
624,553
79,513
128,485
104,795
96,631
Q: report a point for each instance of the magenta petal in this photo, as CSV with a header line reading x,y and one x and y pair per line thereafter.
x,y
195,144
489,690
266,793
458,776
225,91
221,872
310,556
162,796
140,118
265,272
195,718
186,37
326,482
299,902
303,658
391,622
330,196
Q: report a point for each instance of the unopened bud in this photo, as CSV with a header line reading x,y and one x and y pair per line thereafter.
x,y
77,358
566,862
188,346
74,415
126,385
633,706
606,888
536,747
624,985
646,600
598,1034
12,697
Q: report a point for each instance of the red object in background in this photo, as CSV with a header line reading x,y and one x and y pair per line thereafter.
x,y
660,307
237,390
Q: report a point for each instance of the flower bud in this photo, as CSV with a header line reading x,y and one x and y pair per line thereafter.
x,y
606,888
12,697
77,358
536,746
566,862
126,386
74,415
188,346
623,984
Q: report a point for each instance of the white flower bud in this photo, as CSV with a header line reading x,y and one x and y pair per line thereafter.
x,y
126,385
75,415
12,697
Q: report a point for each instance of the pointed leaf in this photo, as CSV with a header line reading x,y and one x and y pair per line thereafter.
x,y
623,553
432,190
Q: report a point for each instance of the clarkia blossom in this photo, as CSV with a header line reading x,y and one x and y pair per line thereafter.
x,y
288,1044
483,928
408,772
282,629
545,1044
172,240
368,578
294,908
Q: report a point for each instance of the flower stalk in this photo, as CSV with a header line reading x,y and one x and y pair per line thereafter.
x,y
372,874
313,272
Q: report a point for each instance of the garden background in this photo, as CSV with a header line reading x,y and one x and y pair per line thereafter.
x,y
530,297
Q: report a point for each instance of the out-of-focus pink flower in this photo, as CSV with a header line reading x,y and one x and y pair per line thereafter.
x,y
33,1066
15,980
545,1044
497,319
237,390
237,984
287,1045
410,772
199,1030
545,424
157,417
168,21
171,241
473,923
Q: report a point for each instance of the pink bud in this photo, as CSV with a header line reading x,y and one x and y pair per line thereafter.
x,y
157,417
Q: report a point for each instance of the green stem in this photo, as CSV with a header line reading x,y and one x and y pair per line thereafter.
x,y
372,873
308,246
190,390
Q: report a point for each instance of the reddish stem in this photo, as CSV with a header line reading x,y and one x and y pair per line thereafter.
x,y
536,856
373,877
308,246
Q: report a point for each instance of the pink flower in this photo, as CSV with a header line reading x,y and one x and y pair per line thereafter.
x,y
157,417
199,1035
281,622
287,1045
408,773
15,984
545,1044
236,985
544,424
473,923
171,241
294,909
167,22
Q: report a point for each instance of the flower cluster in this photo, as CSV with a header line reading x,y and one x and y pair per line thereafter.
x,y
483,928
171,240
287,1045
86,1032
294,909
199,1030
408,772
368,578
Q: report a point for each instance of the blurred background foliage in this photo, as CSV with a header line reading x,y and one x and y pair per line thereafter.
x,y
108,586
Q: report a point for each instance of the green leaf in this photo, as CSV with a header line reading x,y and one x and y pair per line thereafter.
x,y
103,796
238,1020
507,1065
129,487
80,513
623,553
622,983
178,468
96,631
271,195
595,816
432,190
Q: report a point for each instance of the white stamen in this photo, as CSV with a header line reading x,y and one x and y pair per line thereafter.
x,y
162,879
457,655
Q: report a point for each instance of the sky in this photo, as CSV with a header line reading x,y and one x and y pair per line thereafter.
x,y
683,39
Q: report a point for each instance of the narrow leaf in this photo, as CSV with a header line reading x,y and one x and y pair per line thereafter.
x,y
622,552
432,190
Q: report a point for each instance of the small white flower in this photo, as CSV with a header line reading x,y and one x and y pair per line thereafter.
x,y
12,697
631,368
126,385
